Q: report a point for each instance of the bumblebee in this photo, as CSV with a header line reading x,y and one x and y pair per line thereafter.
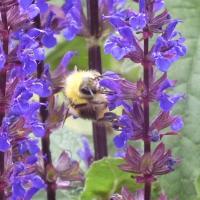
x,y
85,97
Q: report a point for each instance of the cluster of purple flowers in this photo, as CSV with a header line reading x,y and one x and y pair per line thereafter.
x,y
20,53
27,88
131,29
24,78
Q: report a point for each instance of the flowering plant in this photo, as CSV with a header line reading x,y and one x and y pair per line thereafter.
x,y
133,29
31,108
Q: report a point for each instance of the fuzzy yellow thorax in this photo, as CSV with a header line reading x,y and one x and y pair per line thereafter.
x,y
72,86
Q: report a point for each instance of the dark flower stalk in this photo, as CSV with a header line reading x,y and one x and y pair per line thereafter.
x,y
94,57
93,28
147,142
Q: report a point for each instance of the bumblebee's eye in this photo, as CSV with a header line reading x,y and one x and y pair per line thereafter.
x,y
88,91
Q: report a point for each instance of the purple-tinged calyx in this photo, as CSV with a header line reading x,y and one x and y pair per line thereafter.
x,y
161,122
119,90
150,165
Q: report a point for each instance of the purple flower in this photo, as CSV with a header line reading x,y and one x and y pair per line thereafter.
x,y
29,52
158,5
138,22
177,124
29,8
119,90
29,145
123,45
167,101
25,3
48,39
25,185
4,142
120,140
168,49
110,7
42,5
2,57
74,17
86,153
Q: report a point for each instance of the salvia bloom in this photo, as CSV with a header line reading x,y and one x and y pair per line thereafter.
x,y
21,52
86,153
133,30
19,56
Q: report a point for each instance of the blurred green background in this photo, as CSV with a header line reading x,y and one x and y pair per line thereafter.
x,y
184,183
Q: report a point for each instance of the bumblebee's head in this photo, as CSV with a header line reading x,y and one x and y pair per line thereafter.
x,y
81,86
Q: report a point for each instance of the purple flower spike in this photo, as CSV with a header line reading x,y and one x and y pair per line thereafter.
x,y
132,40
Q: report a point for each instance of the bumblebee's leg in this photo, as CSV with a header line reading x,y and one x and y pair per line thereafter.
x,y
72,111
101,109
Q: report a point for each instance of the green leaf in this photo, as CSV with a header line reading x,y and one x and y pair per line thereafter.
x,y
78,45
105,178
197,186
187,71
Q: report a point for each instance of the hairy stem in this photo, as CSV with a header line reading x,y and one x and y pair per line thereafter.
x,y
94,57
51,186
147,143
3,74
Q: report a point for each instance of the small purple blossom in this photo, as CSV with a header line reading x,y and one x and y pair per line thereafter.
x,y
167,49
123,45
2,57
177,124
4,142
86,154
